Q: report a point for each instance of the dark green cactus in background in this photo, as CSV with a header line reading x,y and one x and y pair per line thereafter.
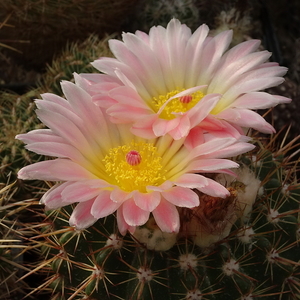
x,y
12,247
248,245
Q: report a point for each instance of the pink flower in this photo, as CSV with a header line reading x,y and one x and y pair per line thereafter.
x,y
171,80
105,168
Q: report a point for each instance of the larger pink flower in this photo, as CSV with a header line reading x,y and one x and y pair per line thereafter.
x,y
172,80
105,168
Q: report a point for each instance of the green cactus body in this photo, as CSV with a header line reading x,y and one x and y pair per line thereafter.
x,y
12,246
258,258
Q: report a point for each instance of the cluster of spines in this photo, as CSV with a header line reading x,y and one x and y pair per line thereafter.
x,y
154,13
12,246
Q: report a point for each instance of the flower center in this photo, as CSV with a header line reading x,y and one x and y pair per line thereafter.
x,y
133,158
176,105
134,166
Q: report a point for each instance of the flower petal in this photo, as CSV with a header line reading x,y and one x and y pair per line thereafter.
x,y
182,197
213,164
103,205
191,181
81,191
122,225
133,215
167,217
147,201
81,216
246,118
52,198
55,170
214,189
259,100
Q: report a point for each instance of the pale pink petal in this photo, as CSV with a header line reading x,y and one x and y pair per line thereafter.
x,y
164,186
111,65
122,225
177,35
259,100
103,205
56,149
246,118
220,128
162,126
81,216
128,96
213,164
136,53
202,109
228,74
60,107
194,138
54,99
103,100
63,127
52,198
126,113
80,101
251,85
83,190
193,53
157,43
55,170
231,151
214,189
95,83
182,197
147,201
240,51
144,126
191,181
40,135
182,129
167,217
211,146
117,195
133,215
212,53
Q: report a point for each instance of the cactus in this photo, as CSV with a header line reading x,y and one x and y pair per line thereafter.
x,y
152,13
17,111
75,58
40,23
16,115
12,246
243,247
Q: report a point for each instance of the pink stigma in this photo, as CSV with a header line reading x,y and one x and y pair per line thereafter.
x,y
133,158
186,99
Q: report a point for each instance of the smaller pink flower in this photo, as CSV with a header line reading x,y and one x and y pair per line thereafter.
x,y
105,168
172,80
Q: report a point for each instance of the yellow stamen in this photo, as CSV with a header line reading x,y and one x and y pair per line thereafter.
x,y
177,105
134,166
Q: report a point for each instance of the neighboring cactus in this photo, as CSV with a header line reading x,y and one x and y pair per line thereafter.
x,y
250,247
75,58
157,12
12,245
17,111
16,115
49,25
